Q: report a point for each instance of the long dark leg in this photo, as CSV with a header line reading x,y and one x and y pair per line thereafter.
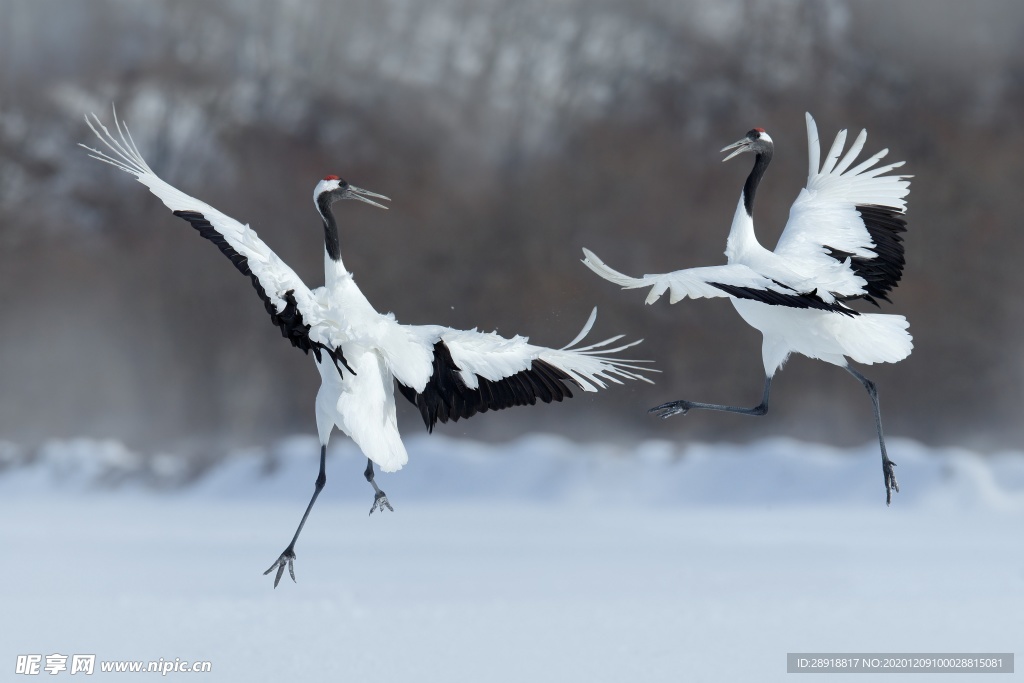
x,y
887,464
380,501
666,410
288,556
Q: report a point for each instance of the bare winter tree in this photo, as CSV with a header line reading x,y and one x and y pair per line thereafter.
x,y
509,135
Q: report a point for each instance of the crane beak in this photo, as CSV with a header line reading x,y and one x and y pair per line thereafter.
x,y
740,146
362,195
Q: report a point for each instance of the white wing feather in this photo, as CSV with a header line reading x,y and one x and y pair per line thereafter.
x,y
493,357
694,283
273,274
825,214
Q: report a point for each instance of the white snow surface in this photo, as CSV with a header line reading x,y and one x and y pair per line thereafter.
x,y
536,560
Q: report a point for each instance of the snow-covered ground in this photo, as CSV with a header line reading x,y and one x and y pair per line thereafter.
x,y
539,560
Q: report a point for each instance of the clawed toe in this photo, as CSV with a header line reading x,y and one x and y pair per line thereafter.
x,y
380,501
890,480
287,558
667,410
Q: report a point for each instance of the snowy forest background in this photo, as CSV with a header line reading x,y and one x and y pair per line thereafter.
x,y
509,135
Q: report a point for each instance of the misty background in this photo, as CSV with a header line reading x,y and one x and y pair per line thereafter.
x,y
509,135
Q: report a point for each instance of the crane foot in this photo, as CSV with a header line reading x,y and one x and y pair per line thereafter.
x,y
287,558
667,410
890,480
380,501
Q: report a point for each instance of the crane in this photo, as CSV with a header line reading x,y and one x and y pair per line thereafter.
x,y
447,374
842,242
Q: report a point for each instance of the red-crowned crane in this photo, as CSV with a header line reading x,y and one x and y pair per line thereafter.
x,y
842,242
448,374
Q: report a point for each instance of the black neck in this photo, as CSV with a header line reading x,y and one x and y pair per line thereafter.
x,y
750,187
330,228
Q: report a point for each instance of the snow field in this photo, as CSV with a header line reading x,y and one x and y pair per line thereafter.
x,y
536,560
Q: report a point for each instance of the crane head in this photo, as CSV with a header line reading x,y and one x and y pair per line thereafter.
x,y
757,141
332,188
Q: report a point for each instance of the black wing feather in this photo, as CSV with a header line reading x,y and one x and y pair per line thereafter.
x,y
447,398
795,300
289,319
883,272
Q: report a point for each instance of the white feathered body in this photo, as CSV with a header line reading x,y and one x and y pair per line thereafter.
x,y
380,350
869,338
808,283
828,336
448,374
361,405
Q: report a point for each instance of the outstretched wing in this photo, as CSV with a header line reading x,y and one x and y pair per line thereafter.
x,y
845,226
733,280
291,305
470,372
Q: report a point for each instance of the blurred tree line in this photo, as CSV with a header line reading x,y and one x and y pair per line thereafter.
x,y
509,135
